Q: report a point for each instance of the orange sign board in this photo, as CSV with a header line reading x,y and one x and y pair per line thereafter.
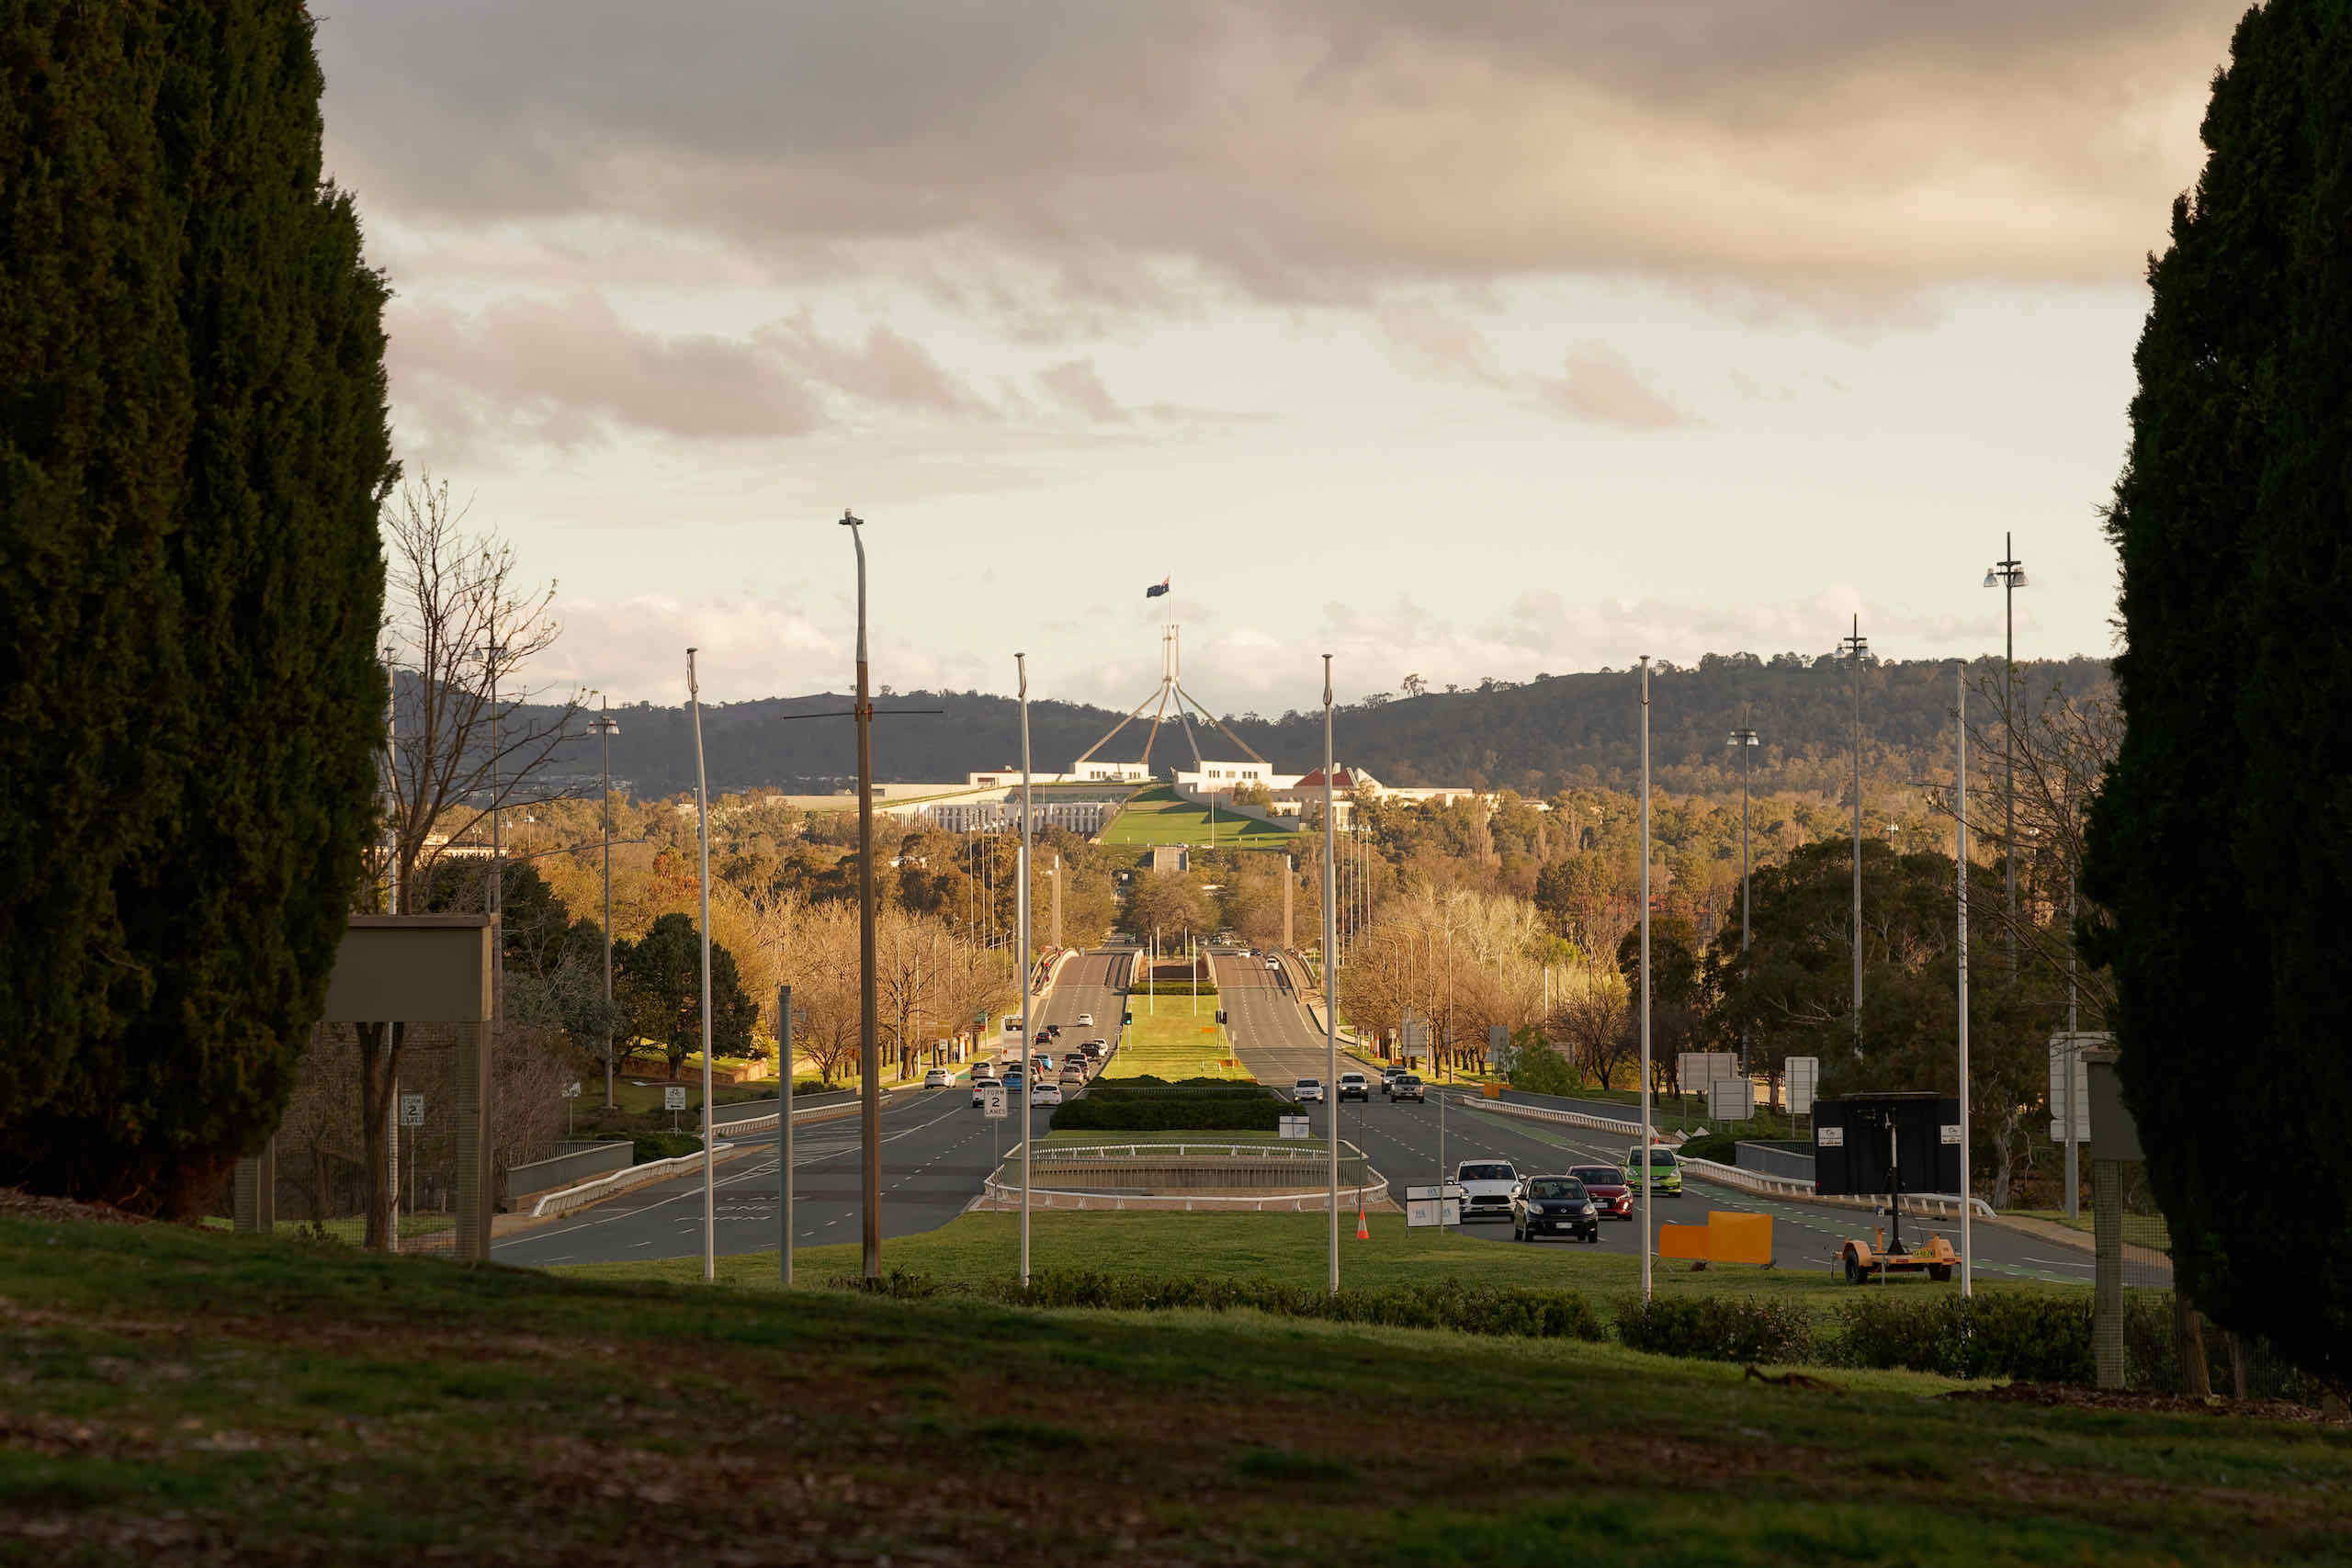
x,y
1726,1237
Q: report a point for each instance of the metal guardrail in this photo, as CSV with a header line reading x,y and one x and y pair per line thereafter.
x,y
1366,1194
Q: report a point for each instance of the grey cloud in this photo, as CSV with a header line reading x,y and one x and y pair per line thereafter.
x,y
1301,149
886,368
1077,385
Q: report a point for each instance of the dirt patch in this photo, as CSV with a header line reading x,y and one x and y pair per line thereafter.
x,y
18,1204
2077,1396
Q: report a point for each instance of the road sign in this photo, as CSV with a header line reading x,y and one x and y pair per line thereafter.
x,y
674,1097
1292,1126
1695,1071
992,1101
411,1111
1421,1206
571,1090
1803,1073
1497,1048
1731,1099
2063,1048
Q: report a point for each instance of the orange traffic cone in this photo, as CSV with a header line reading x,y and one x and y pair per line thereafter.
x,y
1364,1233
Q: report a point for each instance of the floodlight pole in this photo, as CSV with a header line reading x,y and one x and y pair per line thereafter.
x,y
1028,1051
2009,575
1649,1174
869,1053
702,834
1745,739
1331,989
1856,646
1959,858
783,1133
607,726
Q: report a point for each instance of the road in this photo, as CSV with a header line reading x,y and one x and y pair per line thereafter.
x,y
936,1151
1274,1040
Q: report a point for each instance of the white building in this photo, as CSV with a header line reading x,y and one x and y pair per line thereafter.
x,y
1219,778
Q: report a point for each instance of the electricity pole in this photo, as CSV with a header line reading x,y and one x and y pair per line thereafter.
x,y
1855,646
606,726
870,1055
2009,575
1745,739
1650,1172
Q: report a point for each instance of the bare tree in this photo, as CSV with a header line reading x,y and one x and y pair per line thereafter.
x,y
470,736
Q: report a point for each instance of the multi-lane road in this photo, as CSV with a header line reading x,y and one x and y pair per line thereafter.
x,y
937,1150
1410,1145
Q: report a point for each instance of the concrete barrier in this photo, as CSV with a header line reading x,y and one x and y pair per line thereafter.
x,y
579,1162
569,1198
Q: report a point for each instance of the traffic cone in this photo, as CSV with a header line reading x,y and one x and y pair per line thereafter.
x,y
1363,1231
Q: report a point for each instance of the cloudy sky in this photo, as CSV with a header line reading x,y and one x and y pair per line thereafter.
x,y
1457,340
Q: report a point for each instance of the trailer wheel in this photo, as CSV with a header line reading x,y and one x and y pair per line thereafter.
x,y
1855,1273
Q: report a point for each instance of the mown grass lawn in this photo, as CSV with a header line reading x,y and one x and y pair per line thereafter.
x,y
177,1396
1169,1039
1160,816
1290,1248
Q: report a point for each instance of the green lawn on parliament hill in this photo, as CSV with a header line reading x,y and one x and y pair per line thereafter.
x,y
174,1395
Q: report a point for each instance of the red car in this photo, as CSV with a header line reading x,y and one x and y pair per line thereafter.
x,y
1606,1183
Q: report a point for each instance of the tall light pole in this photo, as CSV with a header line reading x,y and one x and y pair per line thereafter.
x,y
1331,988
1960,865
1745,739
493,894
869,1054
1021,668
2007,574
702,832
606,726
391,784
1650,1172
1855,646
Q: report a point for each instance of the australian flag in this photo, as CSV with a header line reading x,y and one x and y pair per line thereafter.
x,y
1157,589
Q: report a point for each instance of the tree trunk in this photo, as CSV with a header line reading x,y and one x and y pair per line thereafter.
x,y
2188,1338
380,1052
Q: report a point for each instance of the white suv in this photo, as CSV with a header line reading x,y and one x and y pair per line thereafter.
x,y
1307,1089
1353,1087
1486,1189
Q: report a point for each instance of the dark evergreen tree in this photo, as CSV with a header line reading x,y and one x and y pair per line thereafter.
x,y
657,983
193,442
2221,846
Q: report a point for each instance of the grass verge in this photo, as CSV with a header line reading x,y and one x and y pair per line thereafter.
x,y
178,1396
1173,1042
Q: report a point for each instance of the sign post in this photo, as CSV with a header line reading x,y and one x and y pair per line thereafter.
x,y
993,1109
412,1118
570,1093
673,1099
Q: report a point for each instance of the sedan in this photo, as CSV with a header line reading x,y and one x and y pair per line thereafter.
x,y
938,1077
1046,1094
1554,1205
1306,1090
1086,1021
1605,1184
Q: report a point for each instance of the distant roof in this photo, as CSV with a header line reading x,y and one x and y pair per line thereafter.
x,y
1343,778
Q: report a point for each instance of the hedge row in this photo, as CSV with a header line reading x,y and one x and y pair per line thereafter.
x,y
664,1144
1169,1110
2032,1338
1468,1309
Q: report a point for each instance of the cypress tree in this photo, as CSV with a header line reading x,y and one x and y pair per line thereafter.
x,y
192,442
2222,845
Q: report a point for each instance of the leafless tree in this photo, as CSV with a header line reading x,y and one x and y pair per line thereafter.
x,y
470,736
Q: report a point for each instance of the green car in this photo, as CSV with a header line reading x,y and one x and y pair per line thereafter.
x,y
1662,1160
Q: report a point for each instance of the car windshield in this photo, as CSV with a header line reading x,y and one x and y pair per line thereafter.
x,y
1318,1082
1555,1186
1661,1156
1485,1173
1595,1174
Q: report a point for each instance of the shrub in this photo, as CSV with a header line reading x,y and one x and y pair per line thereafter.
x,y
810,1085
1997,1334
1715,1328
1540,1070
1716,1146
664,1144
1468,1309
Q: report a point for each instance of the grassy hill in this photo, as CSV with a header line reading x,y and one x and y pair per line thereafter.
x,y
177,1398
1160,816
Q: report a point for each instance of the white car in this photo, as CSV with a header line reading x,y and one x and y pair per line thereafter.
x,y
1276,964
1086,1021
1045,1094
1307,1089
1353,1087
938,1077
1486,1187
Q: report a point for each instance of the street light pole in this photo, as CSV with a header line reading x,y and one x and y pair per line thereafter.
x,y
2009,575
1856,646
870,1055
493,899
1649,1173
1745,739
1028,1051
1960,862
606,726
702,833
1331,988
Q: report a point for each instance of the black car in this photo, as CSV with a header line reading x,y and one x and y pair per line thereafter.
x,y
1055,1030
1554,1205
